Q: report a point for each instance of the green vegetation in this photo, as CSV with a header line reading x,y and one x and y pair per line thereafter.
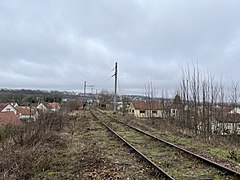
x,y
25,96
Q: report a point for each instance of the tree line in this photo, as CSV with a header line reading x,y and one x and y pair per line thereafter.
x,y
204,105
24,97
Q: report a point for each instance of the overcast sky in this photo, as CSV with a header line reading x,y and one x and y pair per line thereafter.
x,y
59,44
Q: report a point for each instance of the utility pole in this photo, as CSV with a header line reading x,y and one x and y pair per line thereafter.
x,y
115,91
84,90
91,86
96,95
85,87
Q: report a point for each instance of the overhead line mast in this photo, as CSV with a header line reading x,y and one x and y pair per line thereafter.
x,y
84,89
115,91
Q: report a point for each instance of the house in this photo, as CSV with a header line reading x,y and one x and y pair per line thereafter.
x,y
225,121
9,118
6,107
226,126
46,107
172,110
145,109
175,108
236,110
43,107
27,113
55,106
232,124
14,104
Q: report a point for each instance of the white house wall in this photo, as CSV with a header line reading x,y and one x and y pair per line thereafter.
x,y
136,113
147,114
232,127
226,128
9,108
42,107
22,117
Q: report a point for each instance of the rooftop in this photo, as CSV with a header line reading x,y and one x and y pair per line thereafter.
x,y
9,118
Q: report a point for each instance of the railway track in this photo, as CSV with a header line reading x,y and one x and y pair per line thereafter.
x,y
160,173
169,160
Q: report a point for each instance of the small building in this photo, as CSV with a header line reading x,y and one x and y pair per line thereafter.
x,y
225,121
27,113
48,107
6,107
9,118
172,110
229,125
146,109
55,106
236,110
14,105
43,107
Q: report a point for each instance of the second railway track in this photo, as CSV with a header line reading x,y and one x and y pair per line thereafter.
x,y
174,162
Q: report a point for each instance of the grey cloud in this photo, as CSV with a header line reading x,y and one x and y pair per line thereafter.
x,y
60,44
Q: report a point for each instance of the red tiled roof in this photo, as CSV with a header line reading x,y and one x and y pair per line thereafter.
x,y
25,111
9,118
147,105
54,105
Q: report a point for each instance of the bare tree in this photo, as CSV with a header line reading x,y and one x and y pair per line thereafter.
x,y
221,116
105,98
150,93
125,104
234,98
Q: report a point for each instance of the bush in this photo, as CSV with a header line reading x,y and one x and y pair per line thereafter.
x,y
29,149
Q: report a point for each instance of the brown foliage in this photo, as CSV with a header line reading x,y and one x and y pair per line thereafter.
x,y
30,149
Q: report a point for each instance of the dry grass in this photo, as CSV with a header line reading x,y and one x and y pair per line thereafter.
x,y
66,146
29,150
220,149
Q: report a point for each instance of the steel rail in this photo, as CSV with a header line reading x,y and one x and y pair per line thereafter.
x,y
151,163
199,157
219,166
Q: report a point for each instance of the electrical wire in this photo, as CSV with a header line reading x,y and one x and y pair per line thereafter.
x,y
106,78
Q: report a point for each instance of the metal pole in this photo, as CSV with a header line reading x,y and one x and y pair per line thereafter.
x,y
84,90
115,92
